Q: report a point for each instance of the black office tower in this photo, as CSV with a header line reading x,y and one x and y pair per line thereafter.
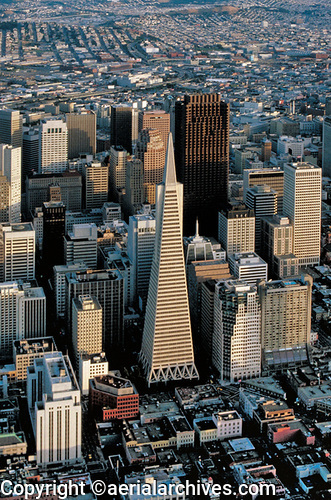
x,y
202,158
121,127
54,229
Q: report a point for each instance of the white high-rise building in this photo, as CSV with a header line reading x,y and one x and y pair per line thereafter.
x,y
53,146
236,229
302,205
10,168
80,245
54,402
86,326
237,331
167,347
11,317
17,251
141,241
22,314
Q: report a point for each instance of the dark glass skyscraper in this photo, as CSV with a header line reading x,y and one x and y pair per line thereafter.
x,y
121,126
202,158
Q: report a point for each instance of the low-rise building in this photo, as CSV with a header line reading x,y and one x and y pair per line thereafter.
x,y
27,350
116,397
90,366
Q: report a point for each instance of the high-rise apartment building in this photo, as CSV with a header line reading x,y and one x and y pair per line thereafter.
x,y
272,177
10,173
150,150
237,331
302,205
17,251
82,131
53,233
326,150
80,245
53,146
285,317
121,126
86,326
55,410
95,177
236,229
202,158
167,349
141,241
11,127
263,200
155,119
70,184
108,287
117,169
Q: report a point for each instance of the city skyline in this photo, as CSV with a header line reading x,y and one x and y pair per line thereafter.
x,y
165,249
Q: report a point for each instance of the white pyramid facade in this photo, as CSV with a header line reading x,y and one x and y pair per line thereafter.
x,y
167,348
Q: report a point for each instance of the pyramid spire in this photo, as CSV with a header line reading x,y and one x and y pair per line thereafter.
x,y
169,175
167,349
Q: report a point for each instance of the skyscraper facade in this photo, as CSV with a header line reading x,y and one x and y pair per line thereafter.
x,y
237,331
121,126
155,119
134,186
236,229
17,252
95,176
55,409
302,205
81,133
10,169
202,158
108,287
150,150
30,152
272,177
53,233
141,241
167,348
86,326
11,127
117,169
285,315
263,200
53,146
326,150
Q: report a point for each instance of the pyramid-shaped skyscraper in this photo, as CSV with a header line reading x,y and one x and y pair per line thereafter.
x,y
167,348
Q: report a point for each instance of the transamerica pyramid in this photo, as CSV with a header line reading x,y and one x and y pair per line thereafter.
x,y
167,349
